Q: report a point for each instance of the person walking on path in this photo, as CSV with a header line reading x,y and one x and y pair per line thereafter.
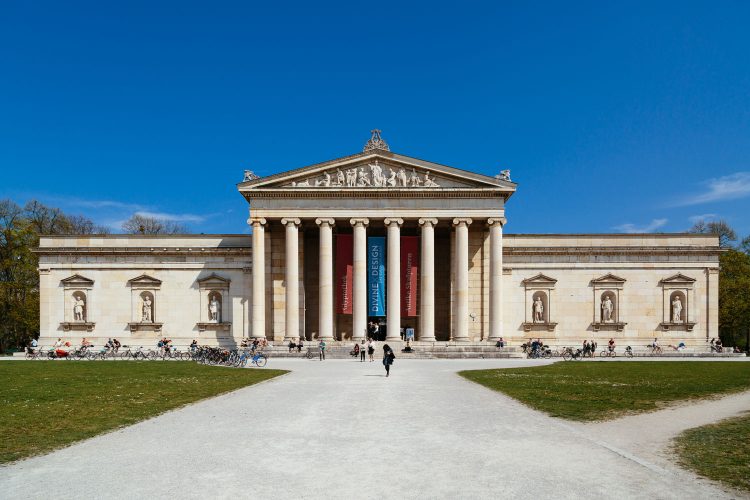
x,y
322,347
362,351
388,358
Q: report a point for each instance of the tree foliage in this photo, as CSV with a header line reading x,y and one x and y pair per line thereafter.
x,y
20,229
141,224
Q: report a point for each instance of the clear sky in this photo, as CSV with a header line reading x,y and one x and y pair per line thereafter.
x,y
612,116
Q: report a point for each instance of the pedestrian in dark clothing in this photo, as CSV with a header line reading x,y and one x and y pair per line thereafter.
x,y
388,358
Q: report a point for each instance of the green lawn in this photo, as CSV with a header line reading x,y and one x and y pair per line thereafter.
x,y
719,451
49,404
599,391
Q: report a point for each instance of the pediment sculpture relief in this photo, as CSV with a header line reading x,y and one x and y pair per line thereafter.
x,y
373,175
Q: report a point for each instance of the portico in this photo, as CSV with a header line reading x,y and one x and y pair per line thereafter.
x,y
350,204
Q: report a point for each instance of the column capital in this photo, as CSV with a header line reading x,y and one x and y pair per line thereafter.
x,y
325,221
497,220
257,220
428,222
286,221
360,220
462,220
393,220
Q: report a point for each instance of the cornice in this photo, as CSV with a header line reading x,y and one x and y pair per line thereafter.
x,y
142,251
611,251
293,193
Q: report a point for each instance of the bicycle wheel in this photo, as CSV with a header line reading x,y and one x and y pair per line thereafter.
x,y
261,361
602,354
567,356
614,354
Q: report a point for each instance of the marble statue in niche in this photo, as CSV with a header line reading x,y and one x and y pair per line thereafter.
x,y
538,310
607,308
214,307
146,312
78,308
677,310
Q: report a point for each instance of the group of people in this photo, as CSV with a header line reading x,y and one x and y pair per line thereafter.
x,y
364,349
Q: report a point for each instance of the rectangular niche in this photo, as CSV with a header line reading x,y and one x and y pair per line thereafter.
x,y
78,298
677,302
608,303
214,310
145,304
539,298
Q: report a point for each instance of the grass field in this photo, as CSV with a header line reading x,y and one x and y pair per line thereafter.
x,y
600,391
46,405
719,451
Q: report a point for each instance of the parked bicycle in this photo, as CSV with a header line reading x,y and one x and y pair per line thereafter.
x,y
572,354
608,353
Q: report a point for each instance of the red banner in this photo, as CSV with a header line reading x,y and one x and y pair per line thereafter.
x,y
344,273
409,273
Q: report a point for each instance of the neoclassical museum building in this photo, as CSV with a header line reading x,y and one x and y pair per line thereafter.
x,y
380,237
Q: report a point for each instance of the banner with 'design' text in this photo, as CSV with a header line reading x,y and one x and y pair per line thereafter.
x,y
376,276
344,264
409,273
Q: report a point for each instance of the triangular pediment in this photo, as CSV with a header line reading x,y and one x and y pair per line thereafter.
x,y
213,281
144,279
77,281
539,279
678,279
608,278
378,169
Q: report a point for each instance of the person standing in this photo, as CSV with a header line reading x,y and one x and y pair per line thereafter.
x,y
371,349
362,351
388,358
322,347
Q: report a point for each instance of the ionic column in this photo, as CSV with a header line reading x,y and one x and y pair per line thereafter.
x,y
427,298
461,290
258,323
496,278
359,292
325,279
393,295
292,278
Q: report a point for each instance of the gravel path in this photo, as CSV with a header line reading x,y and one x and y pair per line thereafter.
x,y
340,429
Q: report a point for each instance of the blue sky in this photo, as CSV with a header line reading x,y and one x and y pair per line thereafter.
x,y
612,116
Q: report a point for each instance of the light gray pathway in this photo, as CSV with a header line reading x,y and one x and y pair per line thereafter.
x,y
340,429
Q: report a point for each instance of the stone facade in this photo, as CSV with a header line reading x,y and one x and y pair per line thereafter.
x,y
480,284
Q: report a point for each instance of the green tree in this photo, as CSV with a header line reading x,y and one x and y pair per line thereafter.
x,y
20,229
141,224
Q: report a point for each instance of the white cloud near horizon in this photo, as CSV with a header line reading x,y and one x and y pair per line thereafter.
x,y
705,217
174,217
649,228
728,187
